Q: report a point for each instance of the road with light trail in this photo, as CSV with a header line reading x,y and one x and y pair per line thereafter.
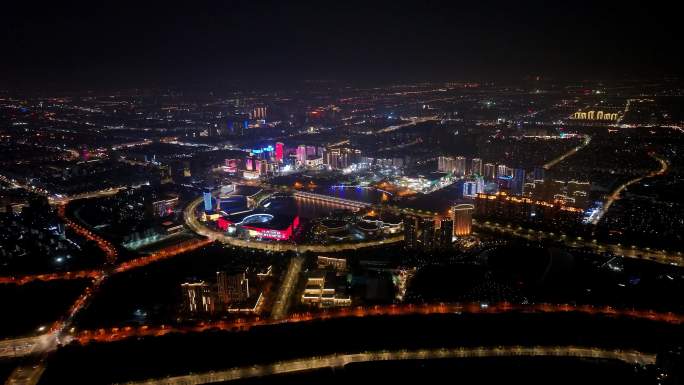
x,y
573,151
342,360
286,291
412,122
615,195
122,333
644,254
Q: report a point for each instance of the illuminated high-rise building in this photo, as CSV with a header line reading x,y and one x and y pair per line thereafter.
x,y
259,113
164,207
446,233
231,165
427,233
207,201
455,165
501,170
261,166
518,181
504,183
232,286
279,151
469,189
301,154
411,232
476,166
337,158
340,158
331,158
197,297
490,171
237,127
445,164
463,219
473,186
479,184
460,165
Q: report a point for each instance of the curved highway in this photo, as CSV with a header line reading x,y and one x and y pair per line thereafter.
x,y
615,195
158,255
106,246
341,360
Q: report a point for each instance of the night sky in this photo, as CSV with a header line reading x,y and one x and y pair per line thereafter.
x,y
120,43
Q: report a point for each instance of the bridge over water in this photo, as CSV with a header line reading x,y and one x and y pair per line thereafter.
x,y
331,199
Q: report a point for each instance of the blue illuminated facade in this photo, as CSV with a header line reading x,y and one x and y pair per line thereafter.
x,y
264,152
518,181
207,201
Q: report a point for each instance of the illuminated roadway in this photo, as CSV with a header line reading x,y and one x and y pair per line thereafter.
x,y
284,297
60,200
615,195
104,245
122,333
341,360
573,151
646,254
628,251
158,255
88,195
19,347
413,121
47,342
26,374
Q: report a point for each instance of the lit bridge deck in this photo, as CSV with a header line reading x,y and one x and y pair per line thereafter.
x,y
331,199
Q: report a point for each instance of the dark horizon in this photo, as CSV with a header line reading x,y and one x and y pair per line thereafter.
x,y
273,43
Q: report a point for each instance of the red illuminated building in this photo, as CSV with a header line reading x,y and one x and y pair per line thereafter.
x,y
279,149
264,226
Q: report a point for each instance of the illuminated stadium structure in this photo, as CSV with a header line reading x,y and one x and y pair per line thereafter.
x,y
275,216
256,218
260,225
